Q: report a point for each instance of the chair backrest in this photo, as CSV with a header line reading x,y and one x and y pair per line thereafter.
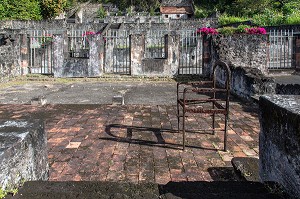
x,y
225,68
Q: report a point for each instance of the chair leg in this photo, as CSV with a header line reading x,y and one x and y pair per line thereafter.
x,y
225,132
213,123
183,130
178,118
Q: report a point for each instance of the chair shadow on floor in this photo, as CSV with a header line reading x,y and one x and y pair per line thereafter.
x,y
159,141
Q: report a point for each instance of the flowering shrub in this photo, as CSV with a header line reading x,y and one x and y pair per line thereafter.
x,y
90,33
207,31
256,30
232,30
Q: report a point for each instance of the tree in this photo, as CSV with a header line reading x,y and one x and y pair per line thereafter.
x,y
249,7
52,8
20,9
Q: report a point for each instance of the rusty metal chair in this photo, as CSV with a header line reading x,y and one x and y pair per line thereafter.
x,y
204,97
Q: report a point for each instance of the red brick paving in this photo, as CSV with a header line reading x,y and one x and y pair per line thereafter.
x,y
136,143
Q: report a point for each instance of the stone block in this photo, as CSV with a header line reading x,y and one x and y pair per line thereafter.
x,y
247,82
279,141
23,152
118,100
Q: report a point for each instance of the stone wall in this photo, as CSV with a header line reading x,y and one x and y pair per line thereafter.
x,y
31,25
250,82
288,89
10,55
279,141
172,25
247,56
23,153
243,50
62,25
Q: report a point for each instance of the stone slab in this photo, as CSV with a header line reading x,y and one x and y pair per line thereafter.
x,y
279,141
23,152
247,167
124,190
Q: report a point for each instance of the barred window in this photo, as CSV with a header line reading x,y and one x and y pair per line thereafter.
x,y
79,43
155,44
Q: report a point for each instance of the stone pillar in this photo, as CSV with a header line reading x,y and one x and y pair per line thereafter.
x,y
108,60
24,54
173,45
96,43
207,55
279,141
58,55
137,51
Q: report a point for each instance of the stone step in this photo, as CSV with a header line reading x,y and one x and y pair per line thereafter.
x,y
116,190
247,168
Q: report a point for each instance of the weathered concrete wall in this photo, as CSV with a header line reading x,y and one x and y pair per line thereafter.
x,y
167,66
247,82
66,66
10,55
23,152
279,141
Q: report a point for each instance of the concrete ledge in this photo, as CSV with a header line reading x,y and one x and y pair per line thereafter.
x,y
279,142
288,89
248,82
23,152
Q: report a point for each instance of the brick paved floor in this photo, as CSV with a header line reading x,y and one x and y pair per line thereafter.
x,y
137,143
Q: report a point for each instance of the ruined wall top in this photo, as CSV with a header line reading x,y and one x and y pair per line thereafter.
x,y
129,23
288,102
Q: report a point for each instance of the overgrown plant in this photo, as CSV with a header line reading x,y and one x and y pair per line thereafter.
x,y
227,30
269,18
3,193
242,29
227,19
101,12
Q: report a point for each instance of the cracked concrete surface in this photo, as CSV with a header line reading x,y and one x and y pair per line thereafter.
x,y
159,93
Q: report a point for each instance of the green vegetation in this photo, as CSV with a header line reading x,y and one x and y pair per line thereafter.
x,y
3,193
227,19
232,30
101,13
260,12
20,9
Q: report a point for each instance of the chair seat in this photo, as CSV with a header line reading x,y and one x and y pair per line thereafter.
x,y
202,106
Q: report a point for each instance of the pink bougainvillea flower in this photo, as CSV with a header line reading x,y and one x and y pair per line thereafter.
x,y
207,31
256,30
